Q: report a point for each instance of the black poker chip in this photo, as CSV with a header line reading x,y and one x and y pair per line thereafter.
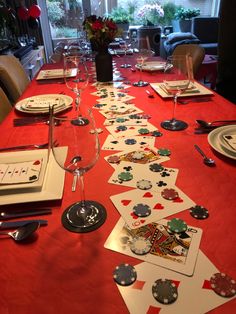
x,y
199,212
142,210
156,167
130,141
121,128
124,274
165,291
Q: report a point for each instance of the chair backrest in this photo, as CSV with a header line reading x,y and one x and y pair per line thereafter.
x,y
195,51
5,106
206,29
12,77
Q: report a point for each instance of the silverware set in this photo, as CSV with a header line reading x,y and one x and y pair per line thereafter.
x,y
207,127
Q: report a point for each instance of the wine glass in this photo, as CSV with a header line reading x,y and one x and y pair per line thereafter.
x,y
76,77
177,78
82,154
125,44
144,52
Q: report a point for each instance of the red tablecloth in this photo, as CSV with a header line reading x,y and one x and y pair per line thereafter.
x,y
63,272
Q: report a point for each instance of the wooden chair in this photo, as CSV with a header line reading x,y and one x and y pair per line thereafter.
x,y
12,77
5,106
195,51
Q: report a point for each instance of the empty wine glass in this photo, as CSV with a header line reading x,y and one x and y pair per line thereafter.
x,y
125,45
177,78
82,154
76,77
144,52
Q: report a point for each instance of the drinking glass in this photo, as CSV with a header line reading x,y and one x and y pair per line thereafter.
x,y
74,62
125,44
144,52
177,78
82,154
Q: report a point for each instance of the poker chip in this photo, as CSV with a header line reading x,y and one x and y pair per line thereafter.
x,y
125,176
120,120
142,210
164,291
121,128
143,131
138,155
169,194
156,167
177,225
163,152
113,159
199,212
124,274
130,141
140,246
223,285
144,184
156,133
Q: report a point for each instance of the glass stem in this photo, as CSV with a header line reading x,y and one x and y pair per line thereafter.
x,y
140,75
81,187
77,102
175,103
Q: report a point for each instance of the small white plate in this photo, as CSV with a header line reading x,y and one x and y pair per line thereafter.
x,y
199,90
23,156
152,66
55,73
229,129
213,140
52,188
40,103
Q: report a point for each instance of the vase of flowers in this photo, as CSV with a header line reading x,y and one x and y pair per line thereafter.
x,y
101,32
149,14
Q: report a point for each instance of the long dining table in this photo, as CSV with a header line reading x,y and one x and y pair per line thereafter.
x,y
66,272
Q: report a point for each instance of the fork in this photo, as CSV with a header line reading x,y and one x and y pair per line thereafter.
x,y
38,146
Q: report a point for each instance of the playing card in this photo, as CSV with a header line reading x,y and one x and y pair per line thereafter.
x,y
20,172
132,130
125,121
140,156
112,95
169,250
154,205
136,142
144,176
115,113
195,295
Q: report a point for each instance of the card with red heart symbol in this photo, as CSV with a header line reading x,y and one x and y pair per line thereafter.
x,y
139,207
176,251
131,130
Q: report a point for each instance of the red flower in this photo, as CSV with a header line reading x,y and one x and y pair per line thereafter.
x,y
97,25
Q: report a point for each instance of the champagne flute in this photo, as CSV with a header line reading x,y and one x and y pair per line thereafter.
x,y
82,154
76,77
177,78
144,52
125,44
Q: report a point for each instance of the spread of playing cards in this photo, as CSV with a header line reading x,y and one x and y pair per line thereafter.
x,y
173,274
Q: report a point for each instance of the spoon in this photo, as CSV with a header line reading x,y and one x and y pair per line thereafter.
x,y
150,95
206,160
23,232
206,124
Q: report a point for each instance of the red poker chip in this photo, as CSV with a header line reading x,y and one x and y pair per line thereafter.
x,y
113,159
223,285
169,194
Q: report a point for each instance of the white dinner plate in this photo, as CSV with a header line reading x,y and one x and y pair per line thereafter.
x,y
24,156
198,90
152,66
55,73
227,130
52,188
40,104
215,142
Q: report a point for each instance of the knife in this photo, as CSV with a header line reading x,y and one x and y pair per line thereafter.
x,y
24,213
20,223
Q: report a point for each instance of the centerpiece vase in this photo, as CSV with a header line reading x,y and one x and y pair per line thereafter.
x,y
103,63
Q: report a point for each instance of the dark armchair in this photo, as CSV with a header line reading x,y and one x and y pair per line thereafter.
x,y
206,30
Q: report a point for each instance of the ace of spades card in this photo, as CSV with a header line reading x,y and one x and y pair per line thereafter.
x,y
174,251
141,156
143,177
153,202
195,295
123,143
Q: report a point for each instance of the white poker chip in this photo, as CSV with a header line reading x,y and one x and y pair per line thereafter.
x,y
144,184
140,246
138,155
